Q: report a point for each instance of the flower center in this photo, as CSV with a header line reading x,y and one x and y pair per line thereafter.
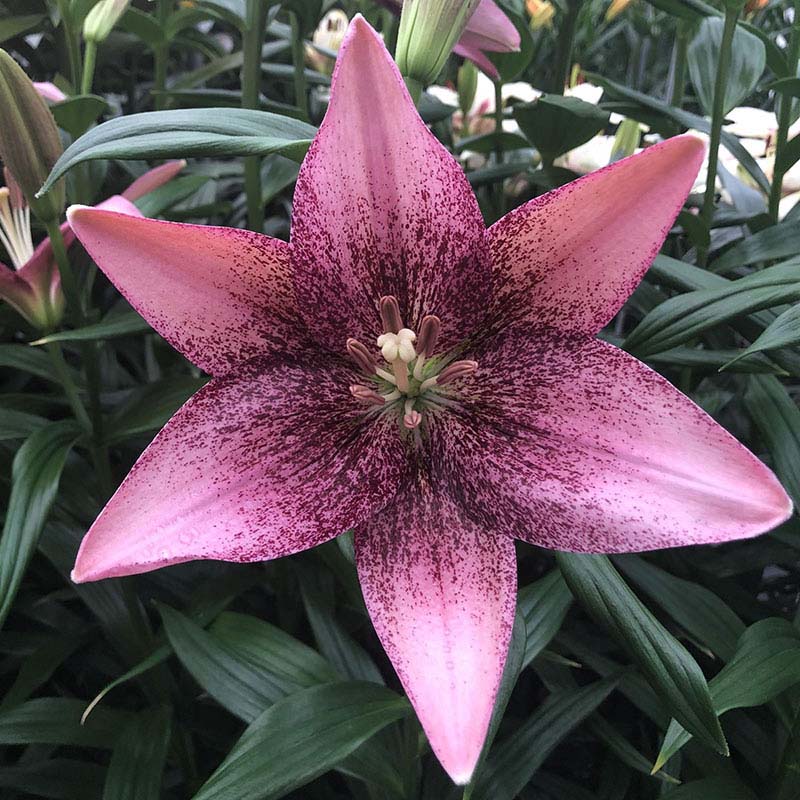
x,y
15,222
412,378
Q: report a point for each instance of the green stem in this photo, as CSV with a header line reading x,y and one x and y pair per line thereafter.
x,y
64,378
566,41
717,118
89,58
160,58
784,119
68,281
71,41
251,82
680,64
299,61
498,143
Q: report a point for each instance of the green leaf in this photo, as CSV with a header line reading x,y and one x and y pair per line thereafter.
x,y
783,332
777,241
722,788
777,418
22,358
304,735
487,142
56,779
34,483
696,609
138,758
116,323
19,424
748,59
77,113
176,191
685,316
187,132
785,784
14,26
512,65
236,684
556,124
767,662
543,606
665,662
512,763
57,721
143,25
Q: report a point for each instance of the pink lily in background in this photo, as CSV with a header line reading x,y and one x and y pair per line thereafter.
x,y
33,286
491,413
489,30
49,91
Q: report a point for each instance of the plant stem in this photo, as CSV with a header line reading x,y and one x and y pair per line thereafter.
x,y
717,118
498,142
160,58
71,41
251,81
784,119
566,41
64,378
89,58
68,282
679,64
299,59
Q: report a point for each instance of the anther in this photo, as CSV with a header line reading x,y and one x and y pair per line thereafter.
x,y
456,371
412,420
362,356
390,314
428,335
366,395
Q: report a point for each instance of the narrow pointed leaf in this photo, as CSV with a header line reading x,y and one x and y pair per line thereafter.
x,y
300,738
784,332
121,323
665,662
543,606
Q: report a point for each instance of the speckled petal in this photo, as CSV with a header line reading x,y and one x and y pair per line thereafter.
x,y
382,208
441,594
572,257
269,460
218,295
572,444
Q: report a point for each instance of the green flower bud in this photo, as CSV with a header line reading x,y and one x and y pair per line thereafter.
x,y
627,139
429,29
467,86
101,20
29,140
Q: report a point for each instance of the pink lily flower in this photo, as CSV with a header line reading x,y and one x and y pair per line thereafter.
x,y
489,30
33,285
49,91
492,413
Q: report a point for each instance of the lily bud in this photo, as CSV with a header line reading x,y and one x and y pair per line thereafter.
x,y
101,20
467,86
428,31
29,140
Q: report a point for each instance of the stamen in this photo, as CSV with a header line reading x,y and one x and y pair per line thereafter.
x,y
387,376
367,395
390,314
362,356
456,371
412,420
14,240
428,335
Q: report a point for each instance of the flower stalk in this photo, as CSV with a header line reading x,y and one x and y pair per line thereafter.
x,y
717,118
251,81
566,41
89,60
679,64
298,59
784,119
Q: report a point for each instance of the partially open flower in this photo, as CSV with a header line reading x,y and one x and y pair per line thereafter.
x,y
328,36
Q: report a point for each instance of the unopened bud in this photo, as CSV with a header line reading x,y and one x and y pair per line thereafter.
x,y
428,31
101,20
29,140
467,86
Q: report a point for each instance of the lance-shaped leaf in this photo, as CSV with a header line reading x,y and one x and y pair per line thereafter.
x,y
669,668
187,132
783,332
304,735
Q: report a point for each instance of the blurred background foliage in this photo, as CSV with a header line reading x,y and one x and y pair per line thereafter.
x,y
180,662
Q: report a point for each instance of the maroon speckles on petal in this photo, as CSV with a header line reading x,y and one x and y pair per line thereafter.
x,y
381,208
572,257
572,444
441,594
269,461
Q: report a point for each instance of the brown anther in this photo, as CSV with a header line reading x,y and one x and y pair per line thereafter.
x,y
366,395
390,314
456,371
412,420
428,335
362,356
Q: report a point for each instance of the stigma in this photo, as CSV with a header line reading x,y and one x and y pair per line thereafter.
x,y
410,377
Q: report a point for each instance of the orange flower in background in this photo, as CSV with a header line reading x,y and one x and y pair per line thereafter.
x,y
616,8
541,13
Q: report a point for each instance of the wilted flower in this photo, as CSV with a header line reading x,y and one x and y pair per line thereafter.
x,y
398,370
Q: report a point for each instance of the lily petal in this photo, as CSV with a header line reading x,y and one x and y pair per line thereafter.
x,y
441,595
572,257
382,208
571,444
219,295
152,179
491,30
269,460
